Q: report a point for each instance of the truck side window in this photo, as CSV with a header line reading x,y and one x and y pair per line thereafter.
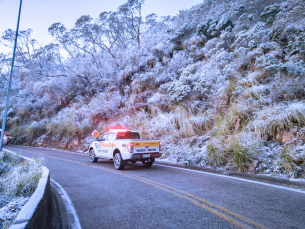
x,y
110,137
129,135
103,137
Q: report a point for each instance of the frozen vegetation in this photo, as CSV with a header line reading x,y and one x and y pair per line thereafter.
x,y
18,179
222,84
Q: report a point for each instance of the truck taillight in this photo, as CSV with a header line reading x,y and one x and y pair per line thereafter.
x,y
130,147
160,146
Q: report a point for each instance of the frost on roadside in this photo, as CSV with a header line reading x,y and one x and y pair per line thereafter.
x,y
19,179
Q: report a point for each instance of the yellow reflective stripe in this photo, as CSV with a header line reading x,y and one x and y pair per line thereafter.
x,y
143,144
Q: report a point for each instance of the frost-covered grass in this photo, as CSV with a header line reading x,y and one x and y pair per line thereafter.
x,y
271,120
19,179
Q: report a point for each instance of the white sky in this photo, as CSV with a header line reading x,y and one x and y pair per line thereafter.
x,y
39,15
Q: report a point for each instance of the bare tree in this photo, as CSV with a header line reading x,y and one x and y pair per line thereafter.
x,y
131,16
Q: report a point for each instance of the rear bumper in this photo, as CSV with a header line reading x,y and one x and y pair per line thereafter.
x,y
141,157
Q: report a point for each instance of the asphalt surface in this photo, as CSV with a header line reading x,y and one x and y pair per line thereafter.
x,y
166,197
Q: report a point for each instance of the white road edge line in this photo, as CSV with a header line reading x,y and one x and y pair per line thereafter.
x,y
237,178
73,220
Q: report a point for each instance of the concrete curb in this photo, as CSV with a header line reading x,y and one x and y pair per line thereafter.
x,y
33,213
69,215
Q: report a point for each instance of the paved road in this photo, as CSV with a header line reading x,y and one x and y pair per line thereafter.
x,y
166,197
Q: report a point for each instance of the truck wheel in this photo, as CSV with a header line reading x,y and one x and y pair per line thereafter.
x,y
118,162
92,156
147,163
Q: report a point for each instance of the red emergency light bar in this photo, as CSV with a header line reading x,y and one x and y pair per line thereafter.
x,y
117,129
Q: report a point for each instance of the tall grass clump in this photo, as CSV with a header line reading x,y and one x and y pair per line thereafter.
x,y
216,153
22,180
231,122
35,129
287,160
22,177
240,155
179,123
237,151
7,161
279,117
187,123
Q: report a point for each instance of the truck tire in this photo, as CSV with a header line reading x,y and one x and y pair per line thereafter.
x,y
92,156
147,163
118,161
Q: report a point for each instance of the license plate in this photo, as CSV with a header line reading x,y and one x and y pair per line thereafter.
x,y
146,155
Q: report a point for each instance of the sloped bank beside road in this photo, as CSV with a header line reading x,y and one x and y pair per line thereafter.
x,y
30,203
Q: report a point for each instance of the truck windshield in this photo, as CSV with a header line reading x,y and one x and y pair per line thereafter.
x,y
128,135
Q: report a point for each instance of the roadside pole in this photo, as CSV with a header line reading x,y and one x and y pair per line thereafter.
x,y
10,80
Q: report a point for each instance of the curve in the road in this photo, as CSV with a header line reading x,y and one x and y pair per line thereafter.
x,y
228,215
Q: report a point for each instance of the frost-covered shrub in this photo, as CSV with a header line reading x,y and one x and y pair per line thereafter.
x,y
244,22
212,28
182,34
210,47
268,62
270,13
162,49
179,61
222,59
105,105
158,100
143,82
238,91
298,43
179,91
293,69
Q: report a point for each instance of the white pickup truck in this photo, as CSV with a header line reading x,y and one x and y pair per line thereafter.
x,y
123,145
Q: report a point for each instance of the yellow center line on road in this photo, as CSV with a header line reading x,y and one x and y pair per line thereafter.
x,y
213,208
210,204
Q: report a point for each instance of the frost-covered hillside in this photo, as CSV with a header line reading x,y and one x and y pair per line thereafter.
x,y
222,84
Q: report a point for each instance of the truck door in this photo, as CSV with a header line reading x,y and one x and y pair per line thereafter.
x,y
101,145
109,144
